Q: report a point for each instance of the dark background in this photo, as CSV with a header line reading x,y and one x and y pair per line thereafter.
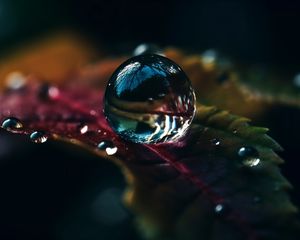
x,y
48,192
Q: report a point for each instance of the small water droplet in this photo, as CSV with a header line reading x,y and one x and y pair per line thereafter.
x,y
147,48
38,137
209,56
168,114
83,128
93,112
12,124
249,156
48,92
108,146
215,142
15,80
219,208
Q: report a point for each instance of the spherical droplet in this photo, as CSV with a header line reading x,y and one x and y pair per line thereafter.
x,y
147,48
215,142
108,146
170,110
249,156
38,137
15,80
12,124
219,209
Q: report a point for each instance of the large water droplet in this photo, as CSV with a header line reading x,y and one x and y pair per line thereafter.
x,y
108,146
149,99
147,48
249,156
38,137
12,124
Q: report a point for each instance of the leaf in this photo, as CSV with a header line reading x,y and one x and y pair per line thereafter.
x,y
193,189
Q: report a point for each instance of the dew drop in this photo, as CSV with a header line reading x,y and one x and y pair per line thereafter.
x,y
48,92
168,114
219,208
83,128
216,142
38,137
249,156
147,48
109,147
12,124
15,80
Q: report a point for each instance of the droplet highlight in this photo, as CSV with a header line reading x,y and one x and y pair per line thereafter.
x,y
249,156
108,146
147,48
149,99
38,137
83,128
219,208
12,124
48,92
15,80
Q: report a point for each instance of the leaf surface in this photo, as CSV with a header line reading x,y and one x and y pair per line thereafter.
x,y
198,188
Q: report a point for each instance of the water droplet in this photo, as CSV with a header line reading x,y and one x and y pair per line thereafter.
x,y
297,80
38,137
128,110
212,58
12,124
249,156
216,142
108,146
83,128
145,48
209,56
219,208
15,80
48,92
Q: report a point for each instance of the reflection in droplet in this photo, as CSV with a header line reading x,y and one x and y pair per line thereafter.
x,y
109,147
149,99
38,137
249,156
12,124
147,48
15,80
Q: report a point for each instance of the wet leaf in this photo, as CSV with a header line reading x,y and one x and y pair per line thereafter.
x,y
202,187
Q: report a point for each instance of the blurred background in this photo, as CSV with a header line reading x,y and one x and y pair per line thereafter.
x,y
57,192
